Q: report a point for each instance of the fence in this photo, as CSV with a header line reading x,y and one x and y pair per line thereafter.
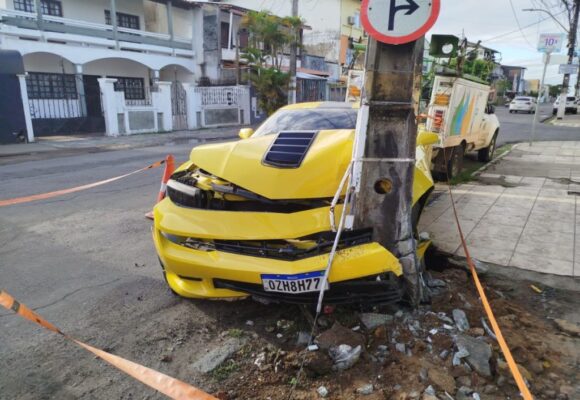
x,y
224,105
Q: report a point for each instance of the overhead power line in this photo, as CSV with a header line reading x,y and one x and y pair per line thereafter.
x,y
518,23
522,28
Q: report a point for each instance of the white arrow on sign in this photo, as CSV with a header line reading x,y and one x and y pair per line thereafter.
x,y
399,21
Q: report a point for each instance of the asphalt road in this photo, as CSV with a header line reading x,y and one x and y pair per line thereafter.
x,y
86,262
517,127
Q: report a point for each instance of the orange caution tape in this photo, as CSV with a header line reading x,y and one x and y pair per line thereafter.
x,y
525,392
44,196
165,384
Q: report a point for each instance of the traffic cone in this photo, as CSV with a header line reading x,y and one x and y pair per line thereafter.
x,y
169,168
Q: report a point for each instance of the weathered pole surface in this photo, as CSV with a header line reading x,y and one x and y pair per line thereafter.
x,y
572,36
293,57
393,88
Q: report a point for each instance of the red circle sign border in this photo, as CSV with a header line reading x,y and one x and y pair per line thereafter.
x,y
399,39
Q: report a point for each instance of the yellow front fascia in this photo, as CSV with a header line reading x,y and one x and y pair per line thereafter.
x,y
204,266
236,225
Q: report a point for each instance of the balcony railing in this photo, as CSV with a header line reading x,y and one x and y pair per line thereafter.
x,y
28,20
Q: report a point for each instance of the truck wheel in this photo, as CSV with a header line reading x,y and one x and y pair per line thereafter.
x,y
486,155
455,163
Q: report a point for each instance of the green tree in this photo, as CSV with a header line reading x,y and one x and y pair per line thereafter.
x,y
555,90
270,38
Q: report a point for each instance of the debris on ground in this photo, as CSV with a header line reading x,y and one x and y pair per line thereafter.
x,y
445,350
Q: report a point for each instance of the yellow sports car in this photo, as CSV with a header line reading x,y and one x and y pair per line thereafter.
x,y
251,217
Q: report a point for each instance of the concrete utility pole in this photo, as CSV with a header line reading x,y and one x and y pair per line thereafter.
x,y
384,201
572,34
293,56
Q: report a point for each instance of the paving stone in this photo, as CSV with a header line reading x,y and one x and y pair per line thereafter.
x,y
542,264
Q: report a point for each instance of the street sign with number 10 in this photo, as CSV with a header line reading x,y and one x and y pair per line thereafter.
x,y
551,42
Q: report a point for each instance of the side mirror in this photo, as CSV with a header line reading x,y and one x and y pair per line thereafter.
x,y
245,133
427,138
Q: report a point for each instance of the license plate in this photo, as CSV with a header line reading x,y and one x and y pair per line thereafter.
x,y
299,283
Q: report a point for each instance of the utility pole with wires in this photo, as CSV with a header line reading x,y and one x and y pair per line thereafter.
x,y
293,56
572,37
573,8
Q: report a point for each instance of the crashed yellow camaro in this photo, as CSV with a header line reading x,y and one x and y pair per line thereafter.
x,y
251,217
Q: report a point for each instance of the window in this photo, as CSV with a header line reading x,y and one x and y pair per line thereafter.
x,y
134,88
225,34
48,7
123,20
308,119
42,85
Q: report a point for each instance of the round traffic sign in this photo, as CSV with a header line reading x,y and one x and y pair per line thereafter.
x,y
399,21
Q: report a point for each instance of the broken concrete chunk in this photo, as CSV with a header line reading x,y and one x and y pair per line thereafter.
x,y
400,347
338,335
218,355
479,353
303,338
568,327
365,389
322,391
460,320
344,356
374,320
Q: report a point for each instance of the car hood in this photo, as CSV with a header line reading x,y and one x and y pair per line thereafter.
x,y
241,163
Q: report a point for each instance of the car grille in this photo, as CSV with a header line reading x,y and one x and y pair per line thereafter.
x,y
289,149
285,250
365,291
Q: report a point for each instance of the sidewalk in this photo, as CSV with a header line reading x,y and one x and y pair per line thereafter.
x,y
522,212
569,121
81,143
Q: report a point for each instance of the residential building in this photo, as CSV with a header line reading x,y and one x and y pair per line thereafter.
x,y
334,30
87,71
70,46
515,75
532,85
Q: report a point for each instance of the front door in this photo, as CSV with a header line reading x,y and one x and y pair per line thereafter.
x,y
92,96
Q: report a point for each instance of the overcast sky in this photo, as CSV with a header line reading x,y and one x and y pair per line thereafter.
x,y
486,19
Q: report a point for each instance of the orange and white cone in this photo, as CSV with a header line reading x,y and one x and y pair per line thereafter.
x,y
169,168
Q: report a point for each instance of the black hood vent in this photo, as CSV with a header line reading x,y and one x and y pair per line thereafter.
x,y
289,149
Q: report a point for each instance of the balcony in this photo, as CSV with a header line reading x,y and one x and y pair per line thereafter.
x,y
25,25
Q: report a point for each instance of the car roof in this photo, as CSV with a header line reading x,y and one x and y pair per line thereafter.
x,y
321,105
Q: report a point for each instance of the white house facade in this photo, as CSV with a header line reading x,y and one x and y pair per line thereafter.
x,y
87,71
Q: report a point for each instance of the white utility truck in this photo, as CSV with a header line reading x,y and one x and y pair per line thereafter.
x,y
460,114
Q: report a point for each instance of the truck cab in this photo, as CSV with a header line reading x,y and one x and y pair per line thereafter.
x,y
459,113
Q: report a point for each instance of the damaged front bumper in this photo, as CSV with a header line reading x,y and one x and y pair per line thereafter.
x,y
216,254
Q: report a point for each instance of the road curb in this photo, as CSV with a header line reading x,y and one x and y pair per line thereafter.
x,y
492,162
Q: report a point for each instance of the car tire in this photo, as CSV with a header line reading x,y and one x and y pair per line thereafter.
x,y
455,162
486,155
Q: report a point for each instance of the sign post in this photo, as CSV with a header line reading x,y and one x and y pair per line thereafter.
x,y
549,43
384,151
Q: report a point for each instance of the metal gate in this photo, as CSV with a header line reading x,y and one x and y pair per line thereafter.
x,y
178,106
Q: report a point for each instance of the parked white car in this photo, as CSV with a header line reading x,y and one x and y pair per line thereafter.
x,y
523,104
571,105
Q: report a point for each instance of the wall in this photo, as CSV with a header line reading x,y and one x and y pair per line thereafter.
x,y
156,19
117,67
94,10
45,62
170,73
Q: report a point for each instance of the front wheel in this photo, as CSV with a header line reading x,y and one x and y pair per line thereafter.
x,y
455,163
486,155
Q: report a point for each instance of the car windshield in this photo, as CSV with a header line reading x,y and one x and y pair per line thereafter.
x,y
571,98
313,119
523,98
